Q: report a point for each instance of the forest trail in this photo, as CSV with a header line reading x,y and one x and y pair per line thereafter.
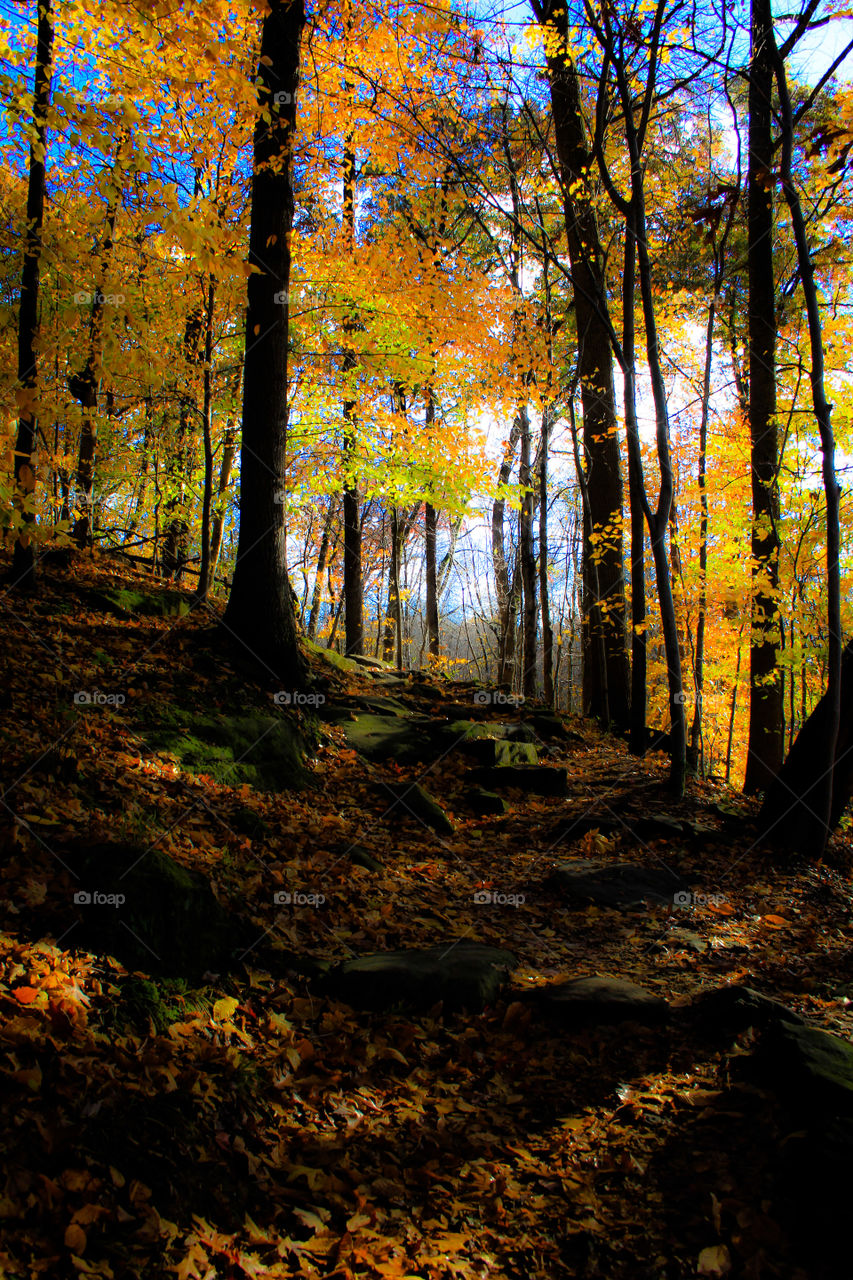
x,y
554,1061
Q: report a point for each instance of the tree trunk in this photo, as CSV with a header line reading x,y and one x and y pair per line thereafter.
x,y
322,560
503,589
260,610
527,558
544,594
430,528
84,386
229,453
603,538
697,744
821,774
204,576
23,561
636,495
353,583
766,713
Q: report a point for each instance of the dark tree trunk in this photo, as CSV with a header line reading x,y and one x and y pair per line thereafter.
x,y
260,611
603,538
205,573
527,559
22,574
504,590
766,712
430,528
229,453
353,580
636,493
544,595
829,757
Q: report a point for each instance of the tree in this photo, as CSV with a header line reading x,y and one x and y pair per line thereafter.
x,y
766,717
260,610
23,560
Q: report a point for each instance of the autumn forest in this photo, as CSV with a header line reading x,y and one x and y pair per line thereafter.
x,y
441,384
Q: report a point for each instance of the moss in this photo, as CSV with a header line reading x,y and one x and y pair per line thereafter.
x,y
128,601
332,659
262,751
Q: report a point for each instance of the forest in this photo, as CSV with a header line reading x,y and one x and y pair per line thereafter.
x,y
425,609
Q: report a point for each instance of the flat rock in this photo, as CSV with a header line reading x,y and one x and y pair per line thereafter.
x,y
495,751
621,885
460,974
591,1001
733,1008
410,799
537,779
388,737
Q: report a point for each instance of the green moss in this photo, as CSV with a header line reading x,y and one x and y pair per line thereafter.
x,y
332,659
262,751
127,601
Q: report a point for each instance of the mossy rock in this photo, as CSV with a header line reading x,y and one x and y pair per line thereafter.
x,y
387,737
537,779
150,912
124,602
459,974
347,666
262,751
498,752
811,1069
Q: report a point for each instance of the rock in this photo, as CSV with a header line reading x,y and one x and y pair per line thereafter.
x,y
411,800
388,737
810,1069
263,751
620,885
362,858
150,912
495,752
593,1001
549,726
537,779
485,802
652,826
461,974
733,1008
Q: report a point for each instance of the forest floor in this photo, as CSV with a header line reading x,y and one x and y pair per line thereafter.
x,y
246,1123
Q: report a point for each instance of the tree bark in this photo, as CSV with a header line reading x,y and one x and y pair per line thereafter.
x,y
23,560
260,613
603,537
504,590
527,558
84,386
766,713
322,561
204,576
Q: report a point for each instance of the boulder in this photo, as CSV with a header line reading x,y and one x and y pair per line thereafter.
x,y
594,1001
810,1069
409,799
461,974
732,1008
621,885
